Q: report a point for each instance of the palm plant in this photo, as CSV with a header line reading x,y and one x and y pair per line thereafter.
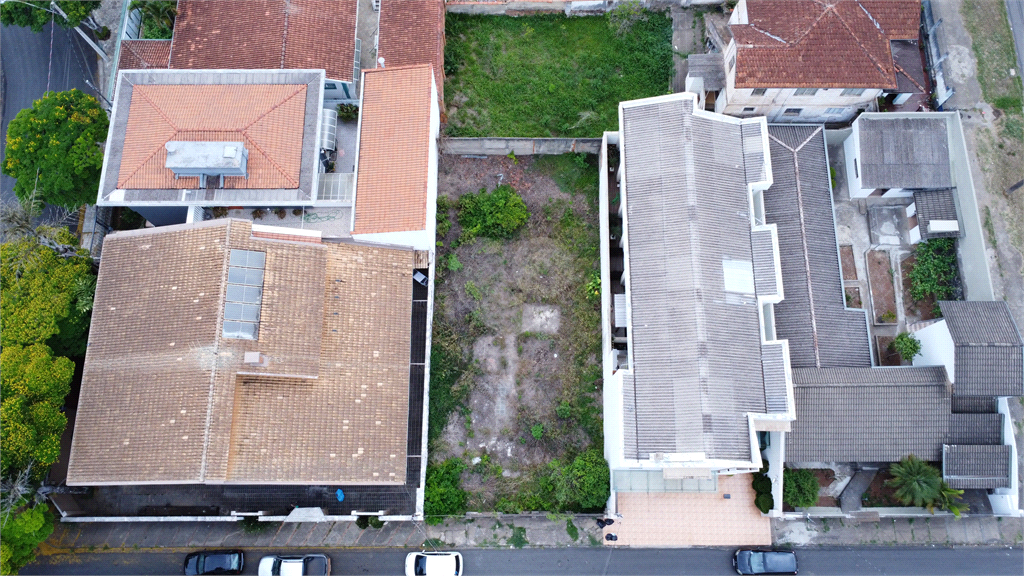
x,y
949,499
917,483
159,13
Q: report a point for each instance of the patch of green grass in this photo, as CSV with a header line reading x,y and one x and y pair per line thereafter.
x,y
572,530
990,229
434,544
473,291
993,47
593,541
518,539
549,75
1012,126
574,173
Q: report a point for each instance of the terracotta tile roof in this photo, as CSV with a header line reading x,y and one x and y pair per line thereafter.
x,y
142,54
268,118
262,34
412,32
394,146
822,43
166,399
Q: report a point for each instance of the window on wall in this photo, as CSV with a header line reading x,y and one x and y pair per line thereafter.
x,y
806,91
792,111
732,62
758,91
853,92
834,111
330,86
748,109
244,294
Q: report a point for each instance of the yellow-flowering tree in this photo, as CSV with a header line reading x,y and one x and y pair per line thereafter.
x,y
54,149
33,384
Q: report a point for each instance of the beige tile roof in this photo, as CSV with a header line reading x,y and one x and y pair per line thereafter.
x,y
822,44
412,32
166,399
142,54
255,34
394,147
268,118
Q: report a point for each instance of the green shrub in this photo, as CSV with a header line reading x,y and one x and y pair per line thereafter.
x,y
252,525
444,223
537,431
622,17
453,263
799,488
447,364
935,273
583,484
906,345
362,522
444,495
564,410
762,483
593,288
497,214
764,502
375,522
348,112
917,483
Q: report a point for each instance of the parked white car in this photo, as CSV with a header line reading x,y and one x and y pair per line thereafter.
x,y
433,564
308,565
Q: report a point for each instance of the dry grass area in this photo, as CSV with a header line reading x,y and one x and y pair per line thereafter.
x,y
528,334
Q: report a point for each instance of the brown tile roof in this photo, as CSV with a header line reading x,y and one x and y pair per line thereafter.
x,y
268,118
262,34
822,43
142,54
412,32
394,146
166,399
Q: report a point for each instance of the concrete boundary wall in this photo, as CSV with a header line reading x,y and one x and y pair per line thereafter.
x,y
520,146
567,6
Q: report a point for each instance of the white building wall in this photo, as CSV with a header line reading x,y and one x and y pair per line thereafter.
x,y
1006,501
813,109
937,348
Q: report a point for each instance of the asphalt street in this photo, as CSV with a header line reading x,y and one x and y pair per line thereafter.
x,y
25,60
1015,10
633,561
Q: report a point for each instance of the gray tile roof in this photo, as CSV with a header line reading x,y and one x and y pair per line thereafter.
x,y
765,273
696,362
974,405
976,467
936,205
904,152
989,357
710,67
813,315
868,414
975,429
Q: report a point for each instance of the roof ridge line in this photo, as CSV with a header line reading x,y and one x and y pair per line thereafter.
x,y
860,44
245,132
157,149
284,35
216,352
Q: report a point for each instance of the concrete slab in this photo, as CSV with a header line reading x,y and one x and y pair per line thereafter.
x,y
302,532
215,533
265,538
404,533
351,535
382,537
64,535
284,534
182,535
94,535
905,532
989,530
335,535
936,531
152,535
1011,529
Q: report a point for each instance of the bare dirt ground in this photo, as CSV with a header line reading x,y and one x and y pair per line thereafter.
x,y
883,295
512,303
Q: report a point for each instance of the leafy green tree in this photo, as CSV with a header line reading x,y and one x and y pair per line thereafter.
x,y
497,214
583,484
444,495
157,17
935,272
35,14
53,149
23,530
917,483
906,345
33,384
46,295
799,487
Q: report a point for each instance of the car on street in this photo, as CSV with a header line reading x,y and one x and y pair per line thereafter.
x,y
308,565
433,564
214,562
764,562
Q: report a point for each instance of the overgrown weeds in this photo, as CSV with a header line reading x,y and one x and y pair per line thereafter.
x,y
549,75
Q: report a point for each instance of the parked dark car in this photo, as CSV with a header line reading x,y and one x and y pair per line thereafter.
x,y
764,562
214,562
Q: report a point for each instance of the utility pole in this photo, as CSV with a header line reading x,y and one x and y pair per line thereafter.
x,y
54,9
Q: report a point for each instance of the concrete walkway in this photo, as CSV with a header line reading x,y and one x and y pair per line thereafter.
x,y
519,531
928,531
685,40
849,500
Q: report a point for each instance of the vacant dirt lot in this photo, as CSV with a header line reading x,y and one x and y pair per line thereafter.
x,y
526,330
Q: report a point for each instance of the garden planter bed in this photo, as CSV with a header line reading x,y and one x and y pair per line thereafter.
x,y
886,355
849,264
883,293
915,310
853,299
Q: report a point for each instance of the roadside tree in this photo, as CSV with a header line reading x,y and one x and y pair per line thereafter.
x,y
54,149
35,14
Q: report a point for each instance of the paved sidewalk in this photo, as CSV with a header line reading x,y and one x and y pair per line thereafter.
x,y
929,531
534,531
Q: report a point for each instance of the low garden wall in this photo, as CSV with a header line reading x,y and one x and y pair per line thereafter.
x,y
520,146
